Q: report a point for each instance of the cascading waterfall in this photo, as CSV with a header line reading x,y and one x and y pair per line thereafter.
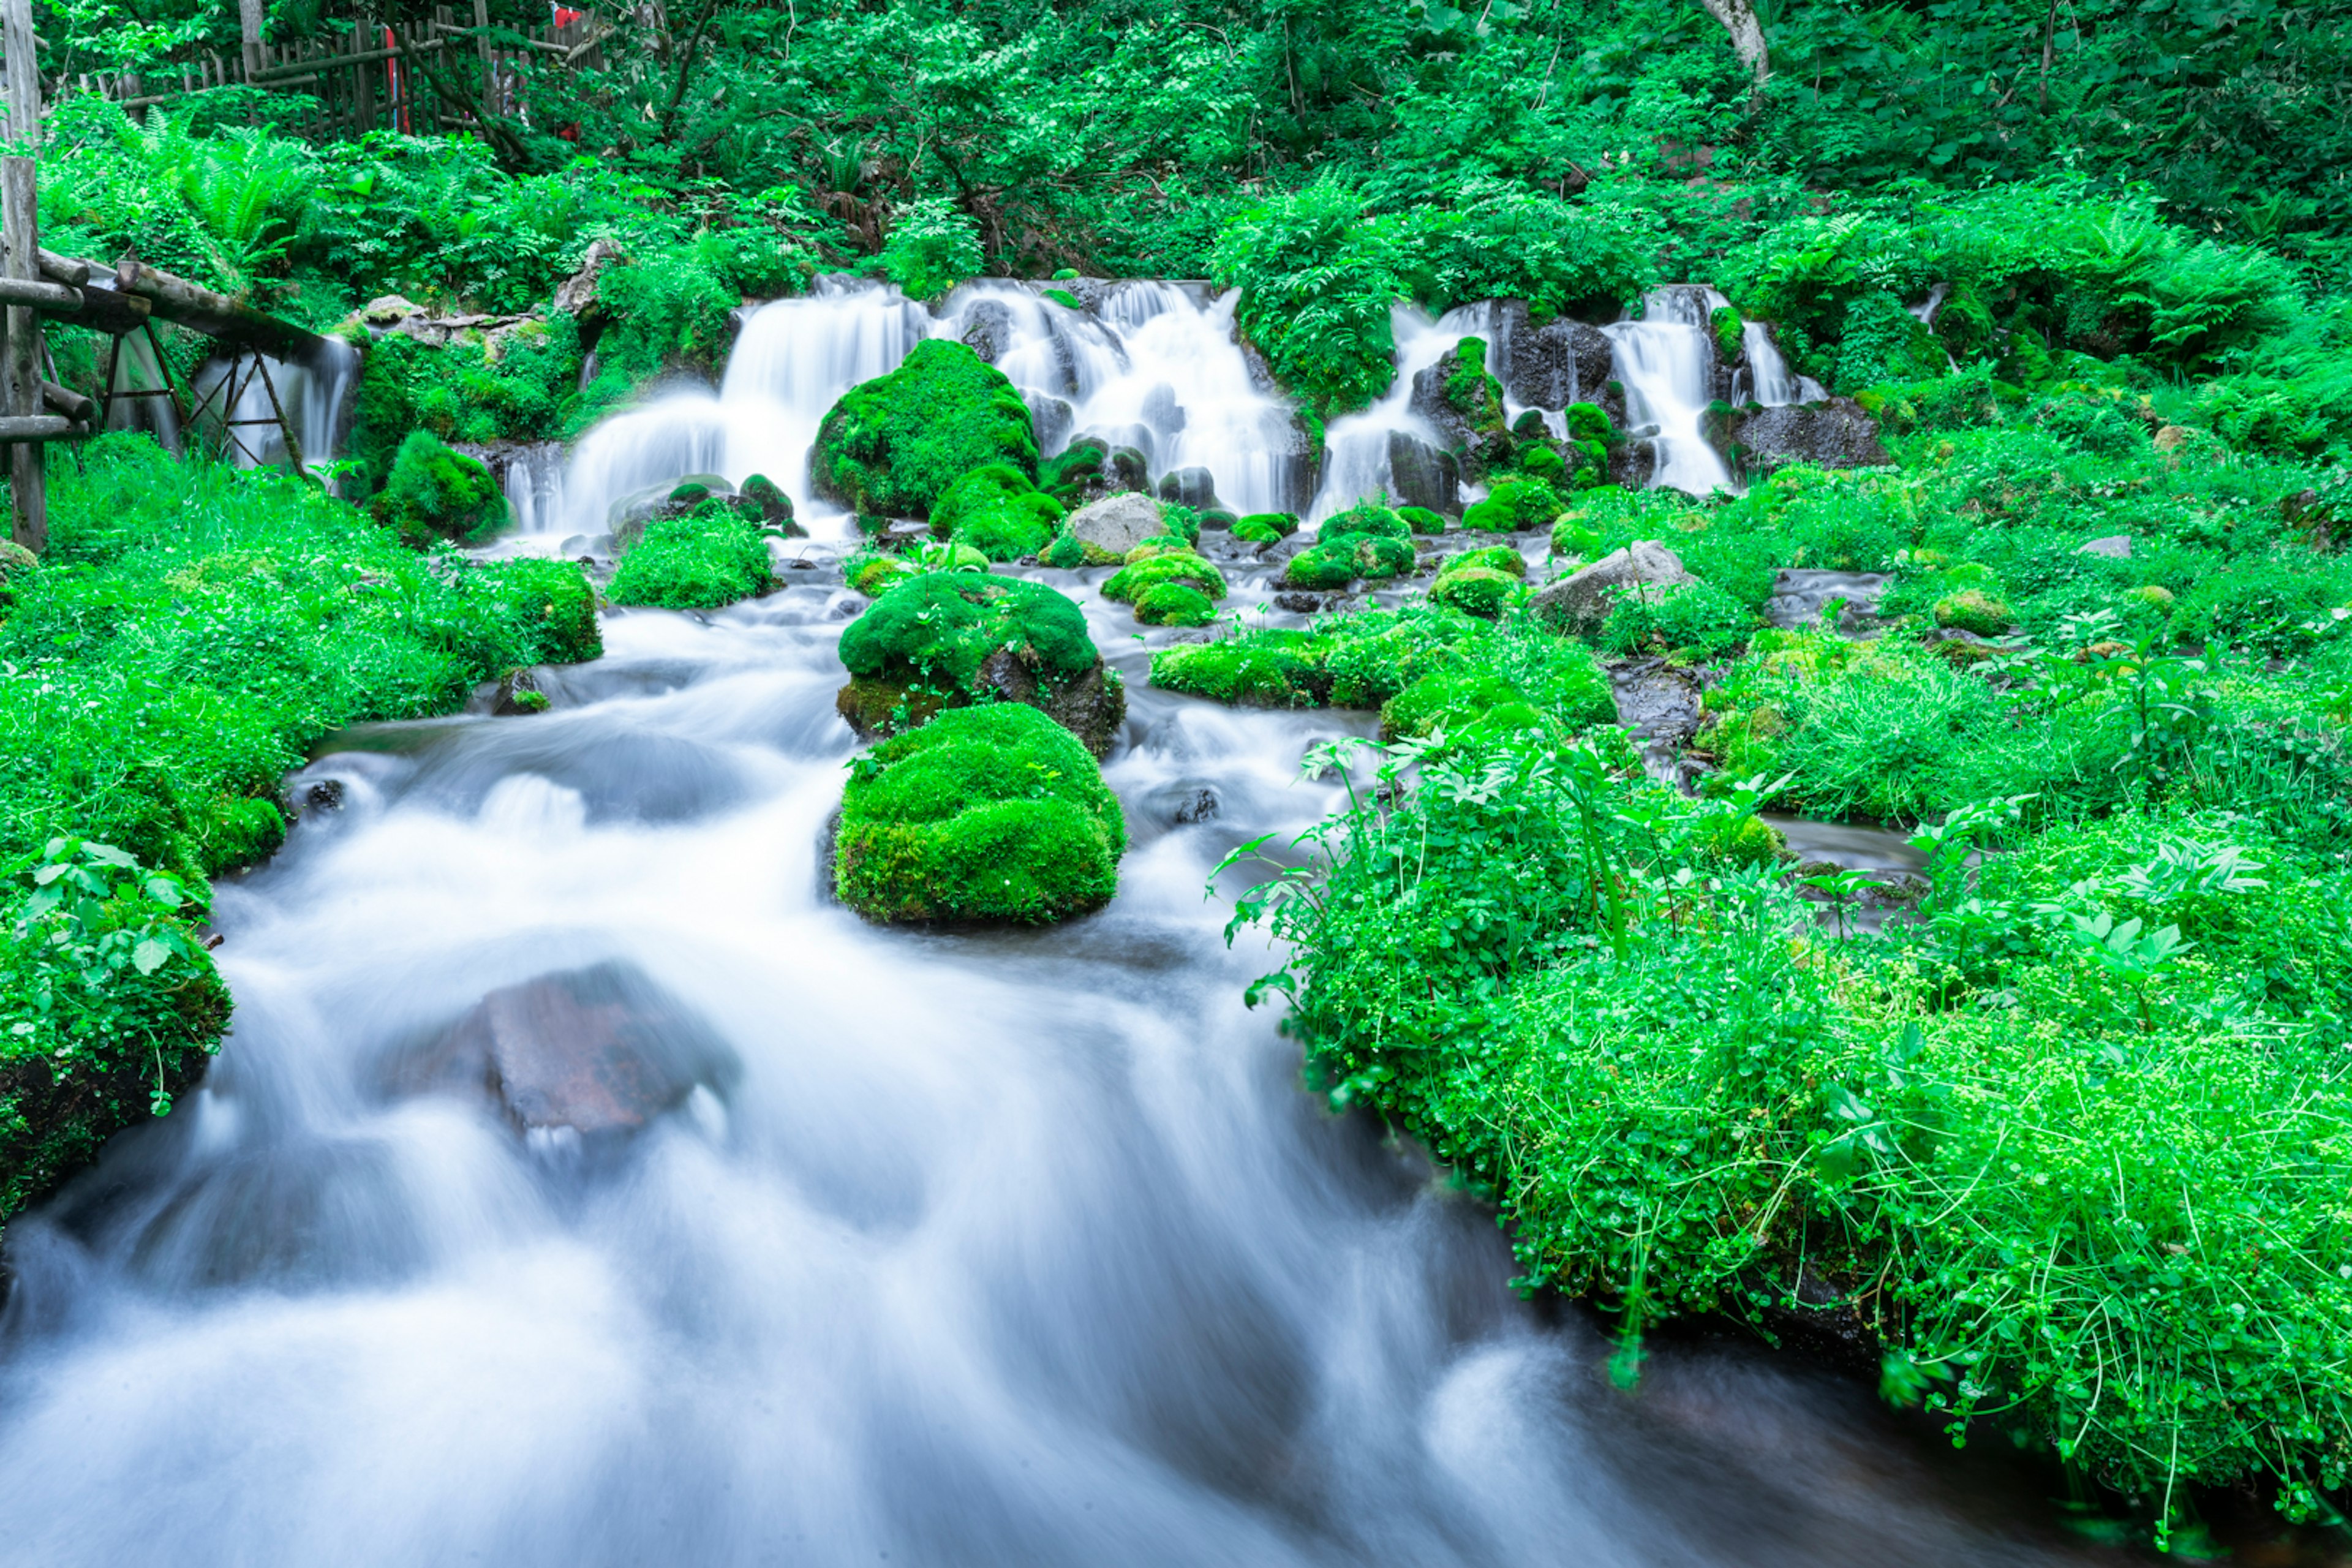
x,y
1361,462
949,1248
313,393
1768,380
1665,362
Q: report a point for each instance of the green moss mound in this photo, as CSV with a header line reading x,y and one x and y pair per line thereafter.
x,y
1364,517
1973,610
553,604
763,496
1066,552
1421,520
1465,705
1174,604
1340,560
939,627
1131,582
1514,506
1264,527
1477,590
1278,668
709,558
1493,558
892,446
434,493
873,575
985,814
997,511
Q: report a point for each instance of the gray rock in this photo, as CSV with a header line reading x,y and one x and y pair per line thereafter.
x,y
1052,418
1421,475
1116,523
2115,547
601,1050
577,293
1833,433
988,329
1582,601
1550,367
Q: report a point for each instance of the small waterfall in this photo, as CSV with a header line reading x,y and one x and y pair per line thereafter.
x,y
312,393
1768,380
1359,464
1666,363
534,487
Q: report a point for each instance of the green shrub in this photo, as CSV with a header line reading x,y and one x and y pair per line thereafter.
x,y
1697,616
1477,590
1131,582
434,493
892,445
1514,506
703,561
994,812
997,511
1465,705
552,604
1174,604
931,247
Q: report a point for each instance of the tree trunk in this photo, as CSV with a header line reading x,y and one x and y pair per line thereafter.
x,y
1738,19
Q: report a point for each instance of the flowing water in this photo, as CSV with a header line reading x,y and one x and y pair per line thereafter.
x,y
1666,362
1018,1248
312,396
936,1248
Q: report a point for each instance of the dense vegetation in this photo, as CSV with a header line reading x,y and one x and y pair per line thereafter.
x,y
2067,1146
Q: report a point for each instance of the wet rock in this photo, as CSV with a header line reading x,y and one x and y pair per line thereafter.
x,y
576,295
2113,547
1832,434
988,329
601,1050
1553,365
1659,704
1088,706
519,693
1053,420
1299,601
1162,412
1195,488
1421,475
1800,595
1631,462
1582,601
320,795
1116,525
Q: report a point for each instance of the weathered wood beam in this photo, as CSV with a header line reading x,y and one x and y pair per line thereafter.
x,y
214,314
104,309
20,362
69,271
69,403
28,431
54,299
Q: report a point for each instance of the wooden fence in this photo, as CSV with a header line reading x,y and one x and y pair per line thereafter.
x,y
379,76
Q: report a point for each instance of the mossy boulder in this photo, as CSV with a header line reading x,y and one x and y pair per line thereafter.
x,y
14,562
709,558
1274,668
1478,591
997,511
873,575
893,444
1492,558
1265,527
1131,582
433,493
1368,518
1514,506
1421,520
1065,553
1973,610
1174,604
949,639
1338,562
1462,705
993,812
772,508
555,604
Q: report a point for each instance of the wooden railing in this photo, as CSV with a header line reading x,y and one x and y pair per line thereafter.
x,y
379,77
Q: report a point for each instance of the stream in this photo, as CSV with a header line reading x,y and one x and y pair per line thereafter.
x,y
920,1247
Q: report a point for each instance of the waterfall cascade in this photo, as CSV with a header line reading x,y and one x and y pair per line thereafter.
x,y
314,396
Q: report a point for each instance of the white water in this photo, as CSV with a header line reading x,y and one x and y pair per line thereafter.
x,y
312,395
1357,467
1019,1248
1665,362
1775,385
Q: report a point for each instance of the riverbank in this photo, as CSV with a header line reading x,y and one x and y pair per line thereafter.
x,y
193,630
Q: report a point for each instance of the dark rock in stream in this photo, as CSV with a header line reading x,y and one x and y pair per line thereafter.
x,y
1423,476
988,329
1800,595
601,1050
1832,434
1550,367
1658,703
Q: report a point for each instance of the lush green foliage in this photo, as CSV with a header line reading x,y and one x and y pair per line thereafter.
x,y
706,557
892,446
989,813
432,493
995,510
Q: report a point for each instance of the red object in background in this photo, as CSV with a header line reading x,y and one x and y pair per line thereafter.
x,y
565,15
570,133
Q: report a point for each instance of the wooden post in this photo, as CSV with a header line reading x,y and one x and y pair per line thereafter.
x,y
482,43
24,73
249,16
20,365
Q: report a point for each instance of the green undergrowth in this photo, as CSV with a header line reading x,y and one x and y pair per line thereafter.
x,y
191,632
2070,1148
993,812
705,559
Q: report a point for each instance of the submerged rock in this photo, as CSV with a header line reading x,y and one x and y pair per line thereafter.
x,y
602,1050
1580,602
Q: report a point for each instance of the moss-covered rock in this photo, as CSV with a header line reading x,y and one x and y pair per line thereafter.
x,y
1340,560
997,511
1066,552
1514,506
1492,557
554,604
949,639
873,575
1252,530
1266,526
434,493
15,560
892,445
1478,591
766,497
1274,668
709,558
1366,518
985,814
1973,610
1462,704
1174,604
1131,582
1421,520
